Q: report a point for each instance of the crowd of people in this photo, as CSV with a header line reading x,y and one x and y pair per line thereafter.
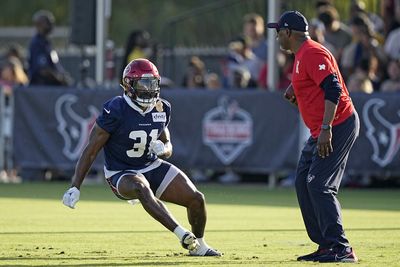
x,y
366,48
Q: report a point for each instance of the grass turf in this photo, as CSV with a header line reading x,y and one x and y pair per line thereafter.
x,y
250,224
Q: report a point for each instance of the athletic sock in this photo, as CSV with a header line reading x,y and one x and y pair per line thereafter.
x,y
179,231
202,242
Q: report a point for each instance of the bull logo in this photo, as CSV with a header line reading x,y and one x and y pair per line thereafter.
x,y
227,130
383,135
73,127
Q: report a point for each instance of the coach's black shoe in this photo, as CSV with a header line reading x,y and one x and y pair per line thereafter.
x,y
315,254
338,255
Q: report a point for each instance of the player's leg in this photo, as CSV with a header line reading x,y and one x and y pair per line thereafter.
x,y
135,186
324,188
182,191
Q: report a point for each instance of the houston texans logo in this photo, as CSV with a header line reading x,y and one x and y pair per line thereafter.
x,y
383,135
73,127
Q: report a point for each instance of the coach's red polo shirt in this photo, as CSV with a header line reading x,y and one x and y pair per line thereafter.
x,y
312,64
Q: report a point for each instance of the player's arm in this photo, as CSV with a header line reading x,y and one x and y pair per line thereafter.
x,y
98,138
165,137
332,90
162,147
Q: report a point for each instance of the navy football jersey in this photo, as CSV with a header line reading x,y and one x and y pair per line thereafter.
x,y
131,131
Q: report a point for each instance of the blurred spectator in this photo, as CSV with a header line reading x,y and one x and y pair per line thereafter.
x,y
359,80
254,33
392,44
364,47
285,63
213,82
241,62
138,45
195,74
392,84
390,12
240,77
358,6
11,75
336,32
44,66
15,51
316,30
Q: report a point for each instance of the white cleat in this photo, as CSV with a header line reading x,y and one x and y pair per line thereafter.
x,y
205,251
189,241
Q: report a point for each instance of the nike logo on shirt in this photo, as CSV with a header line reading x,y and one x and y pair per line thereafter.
x,y
108,111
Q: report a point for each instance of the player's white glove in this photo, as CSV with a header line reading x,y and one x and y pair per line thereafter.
x,y
157,147
71,197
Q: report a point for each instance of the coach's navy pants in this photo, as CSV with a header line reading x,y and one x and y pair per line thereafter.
x,y
317,184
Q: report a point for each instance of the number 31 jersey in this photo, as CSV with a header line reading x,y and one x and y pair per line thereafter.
x,y
131,131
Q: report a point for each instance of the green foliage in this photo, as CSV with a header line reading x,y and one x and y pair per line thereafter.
x,y
252,225
19,12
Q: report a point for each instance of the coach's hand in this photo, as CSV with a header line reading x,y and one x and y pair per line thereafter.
x,y
157,147
71,197
289,95
324,144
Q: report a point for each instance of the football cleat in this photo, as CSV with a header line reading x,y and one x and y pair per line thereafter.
x,y
206,252
189,241
313,255
213,252
338,255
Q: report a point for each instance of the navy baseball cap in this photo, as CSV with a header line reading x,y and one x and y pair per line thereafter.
x,y
292,20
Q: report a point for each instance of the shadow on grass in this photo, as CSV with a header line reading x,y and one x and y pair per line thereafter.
x,y
216,231
240,194
129,262
172,262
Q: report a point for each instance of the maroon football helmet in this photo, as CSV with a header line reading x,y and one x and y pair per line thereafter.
x,y
141,82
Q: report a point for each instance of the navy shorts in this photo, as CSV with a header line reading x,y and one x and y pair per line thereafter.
x,y
159,178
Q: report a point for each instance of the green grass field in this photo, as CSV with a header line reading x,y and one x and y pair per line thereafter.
x,y
251,225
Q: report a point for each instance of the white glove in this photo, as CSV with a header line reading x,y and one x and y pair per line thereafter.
x,y
157,147
71,197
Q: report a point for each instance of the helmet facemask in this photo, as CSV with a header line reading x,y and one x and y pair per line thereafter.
x,y
144,91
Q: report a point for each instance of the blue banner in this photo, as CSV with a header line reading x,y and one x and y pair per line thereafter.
x,y
249,130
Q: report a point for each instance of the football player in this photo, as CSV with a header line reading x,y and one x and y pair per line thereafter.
x,y
133,131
